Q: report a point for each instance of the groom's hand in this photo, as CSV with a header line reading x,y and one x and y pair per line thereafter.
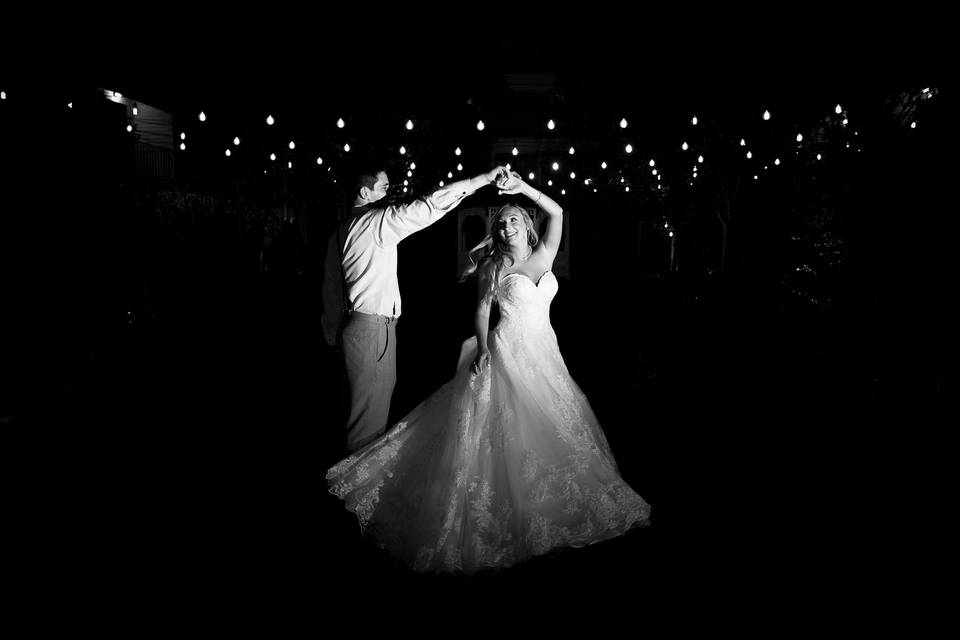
x,y
496,174
510,184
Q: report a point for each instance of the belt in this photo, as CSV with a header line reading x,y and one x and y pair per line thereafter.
x,y
373,317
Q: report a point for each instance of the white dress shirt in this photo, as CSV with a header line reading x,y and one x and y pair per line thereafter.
x,y
370,245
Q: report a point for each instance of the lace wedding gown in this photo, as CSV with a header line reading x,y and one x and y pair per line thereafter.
x,y
493,468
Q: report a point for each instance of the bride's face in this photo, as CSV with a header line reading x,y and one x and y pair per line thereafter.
x,y
511,228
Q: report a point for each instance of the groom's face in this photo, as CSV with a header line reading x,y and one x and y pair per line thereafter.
x,y
380,187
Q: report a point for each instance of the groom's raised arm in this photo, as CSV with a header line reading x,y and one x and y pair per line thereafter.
x,y
398,222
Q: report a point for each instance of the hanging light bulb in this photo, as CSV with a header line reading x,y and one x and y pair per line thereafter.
x,y
409,174
404,189
766,115
563,192
346,147
183,136
459,167
799,137
227,152
819,157
913,125
623,123
571,151
749,155
743,142
273,157
70,106
653,163
508,166
129,128
654,172
203,117
289,165
838,110
480,125
627,189
441,183
551,125
603,165
3,95
292,145
700,159
270,120
409,125
450,174
515,151
684,146
319,160
236,142
694,121
573,175
340,123
549,183
413,165
403,150
183,147
555,166
530,176
628,148
406,182
136,111
456,151
777,161
845,121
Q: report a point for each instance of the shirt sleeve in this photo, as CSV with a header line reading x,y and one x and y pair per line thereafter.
x,y
398,222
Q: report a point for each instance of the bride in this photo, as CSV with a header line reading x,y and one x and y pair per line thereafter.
x,y
506,460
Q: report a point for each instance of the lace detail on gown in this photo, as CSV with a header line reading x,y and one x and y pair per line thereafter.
x,y
493,468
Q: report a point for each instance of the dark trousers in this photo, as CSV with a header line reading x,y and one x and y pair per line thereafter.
x,y
370,356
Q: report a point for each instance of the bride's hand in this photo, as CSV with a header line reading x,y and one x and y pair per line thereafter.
x,y
480,362
511,184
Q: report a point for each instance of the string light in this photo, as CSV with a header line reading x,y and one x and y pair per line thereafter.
x,y
136,111
549,183
70,106
508,166
203,117
838,109
913,125
700,159
183,136
409,125
403,150
450,174
270,120
628,148
684,146
551,125
573,175
480,125
743,142
413,165
183,147
346,147
845,121
3,95
555,166
273,157
799,137
236,142
530,175
289,165
319,160
441,183
409,174
563,192
404,189
819,157
603,165
515,151
654,172
694,121
292,145
571,152
623,123
456,151
129,128
227,152
459,167
766,115
777,161
749,155
406,182
627,189
653,163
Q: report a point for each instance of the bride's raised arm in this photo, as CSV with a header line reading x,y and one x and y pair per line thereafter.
x,y
551,239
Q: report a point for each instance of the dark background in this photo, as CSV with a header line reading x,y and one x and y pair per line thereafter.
x,y
170,407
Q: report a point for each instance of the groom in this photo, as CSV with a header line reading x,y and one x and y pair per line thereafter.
x,y
367,244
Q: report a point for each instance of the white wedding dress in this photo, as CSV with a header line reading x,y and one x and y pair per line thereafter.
x,y
493,468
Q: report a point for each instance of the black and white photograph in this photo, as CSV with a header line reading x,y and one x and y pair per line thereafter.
x,y
438,327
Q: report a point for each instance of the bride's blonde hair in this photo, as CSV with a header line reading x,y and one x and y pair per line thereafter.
x,y
489,257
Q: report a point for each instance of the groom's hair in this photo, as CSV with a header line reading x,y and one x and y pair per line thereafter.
x,y
363,171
